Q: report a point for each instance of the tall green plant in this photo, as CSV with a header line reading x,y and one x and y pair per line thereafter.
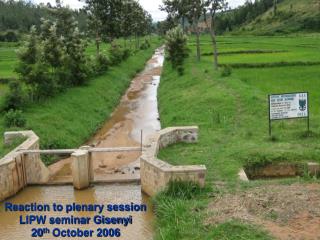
x,y
176,46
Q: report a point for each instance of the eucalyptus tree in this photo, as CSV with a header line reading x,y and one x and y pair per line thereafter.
x,y
275,7
127,20
142,21
108,13
94,24
211,7
176,9
195,11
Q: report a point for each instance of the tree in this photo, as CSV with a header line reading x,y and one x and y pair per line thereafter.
x,y
76,60
54,57
176,9
32,71
108,12
74,71
119,18
213,6
28,56
176,43
275,7
195,10
95,26
52,48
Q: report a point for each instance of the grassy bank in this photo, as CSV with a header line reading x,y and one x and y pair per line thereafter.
x,y
232,113
70,118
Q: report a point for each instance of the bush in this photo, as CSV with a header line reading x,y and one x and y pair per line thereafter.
x,y
226,71
9,36
15,98
145,45
14,118
102,63
126,54
116,53
176,43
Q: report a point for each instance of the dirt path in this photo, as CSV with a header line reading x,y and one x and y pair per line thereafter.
x,y
138,110
288,212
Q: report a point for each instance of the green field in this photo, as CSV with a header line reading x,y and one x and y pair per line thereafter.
x,y
8,60
60,122
232,113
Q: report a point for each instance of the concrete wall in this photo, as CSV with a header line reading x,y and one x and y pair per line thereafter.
x,y
17,170
155,173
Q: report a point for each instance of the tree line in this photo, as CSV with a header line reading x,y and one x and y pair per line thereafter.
x,y
19,16
110,19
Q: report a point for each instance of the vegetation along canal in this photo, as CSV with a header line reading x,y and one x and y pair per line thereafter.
x,y
137,111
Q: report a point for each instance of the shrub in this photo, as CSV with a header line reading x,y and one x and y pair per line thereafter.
x,y
42,83
226,71
15,98
14,118
126,54
145,45
176,43
116,53
9,36
102,63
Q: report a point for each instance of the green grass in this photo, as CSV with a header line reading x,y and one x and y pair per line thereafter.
x,y
60,122
15,143
232,113
8,60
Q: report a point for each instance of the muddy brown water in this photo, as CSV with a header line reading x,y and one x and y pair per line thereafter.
x,y
138,110
10,229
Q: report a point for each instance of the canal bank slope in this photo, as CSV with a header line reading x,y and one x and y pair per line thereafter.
x,y
71,118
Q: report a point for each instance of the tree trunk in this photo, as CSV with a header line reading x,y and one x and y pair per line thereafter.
x,y
183,23
130,39
136,41
215,48
196,28
275,7
97,44
213,38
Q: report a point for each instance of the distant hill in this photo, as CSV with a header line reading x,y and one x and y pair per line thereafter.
x,y
292,16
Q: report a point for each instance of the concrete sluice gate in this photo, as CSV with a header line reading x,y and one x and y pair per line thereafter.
x,y
25,179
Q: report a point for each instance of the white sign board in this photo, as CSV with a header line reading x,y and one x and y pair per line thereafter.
x,y
286,106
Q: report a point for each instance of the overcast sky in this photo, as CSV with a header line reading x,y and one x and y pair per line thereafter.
x,y
152,6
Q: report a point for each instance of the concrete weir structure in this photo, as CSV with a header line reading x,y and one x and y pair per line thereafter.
x,y
23,165
18,170
155,173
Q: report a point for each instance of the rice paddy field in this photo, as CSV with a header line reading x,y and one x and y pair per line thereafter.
x,y
8,60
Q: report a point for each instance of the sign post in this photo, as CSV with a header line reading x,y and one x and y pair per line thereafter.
x,y
288,106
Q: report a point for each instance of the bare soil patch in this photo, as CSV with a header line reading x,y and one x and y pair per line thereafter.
x,y
286,211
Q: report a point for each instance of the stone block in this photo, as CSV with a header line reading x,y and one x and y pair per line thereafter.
x,y
314,168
